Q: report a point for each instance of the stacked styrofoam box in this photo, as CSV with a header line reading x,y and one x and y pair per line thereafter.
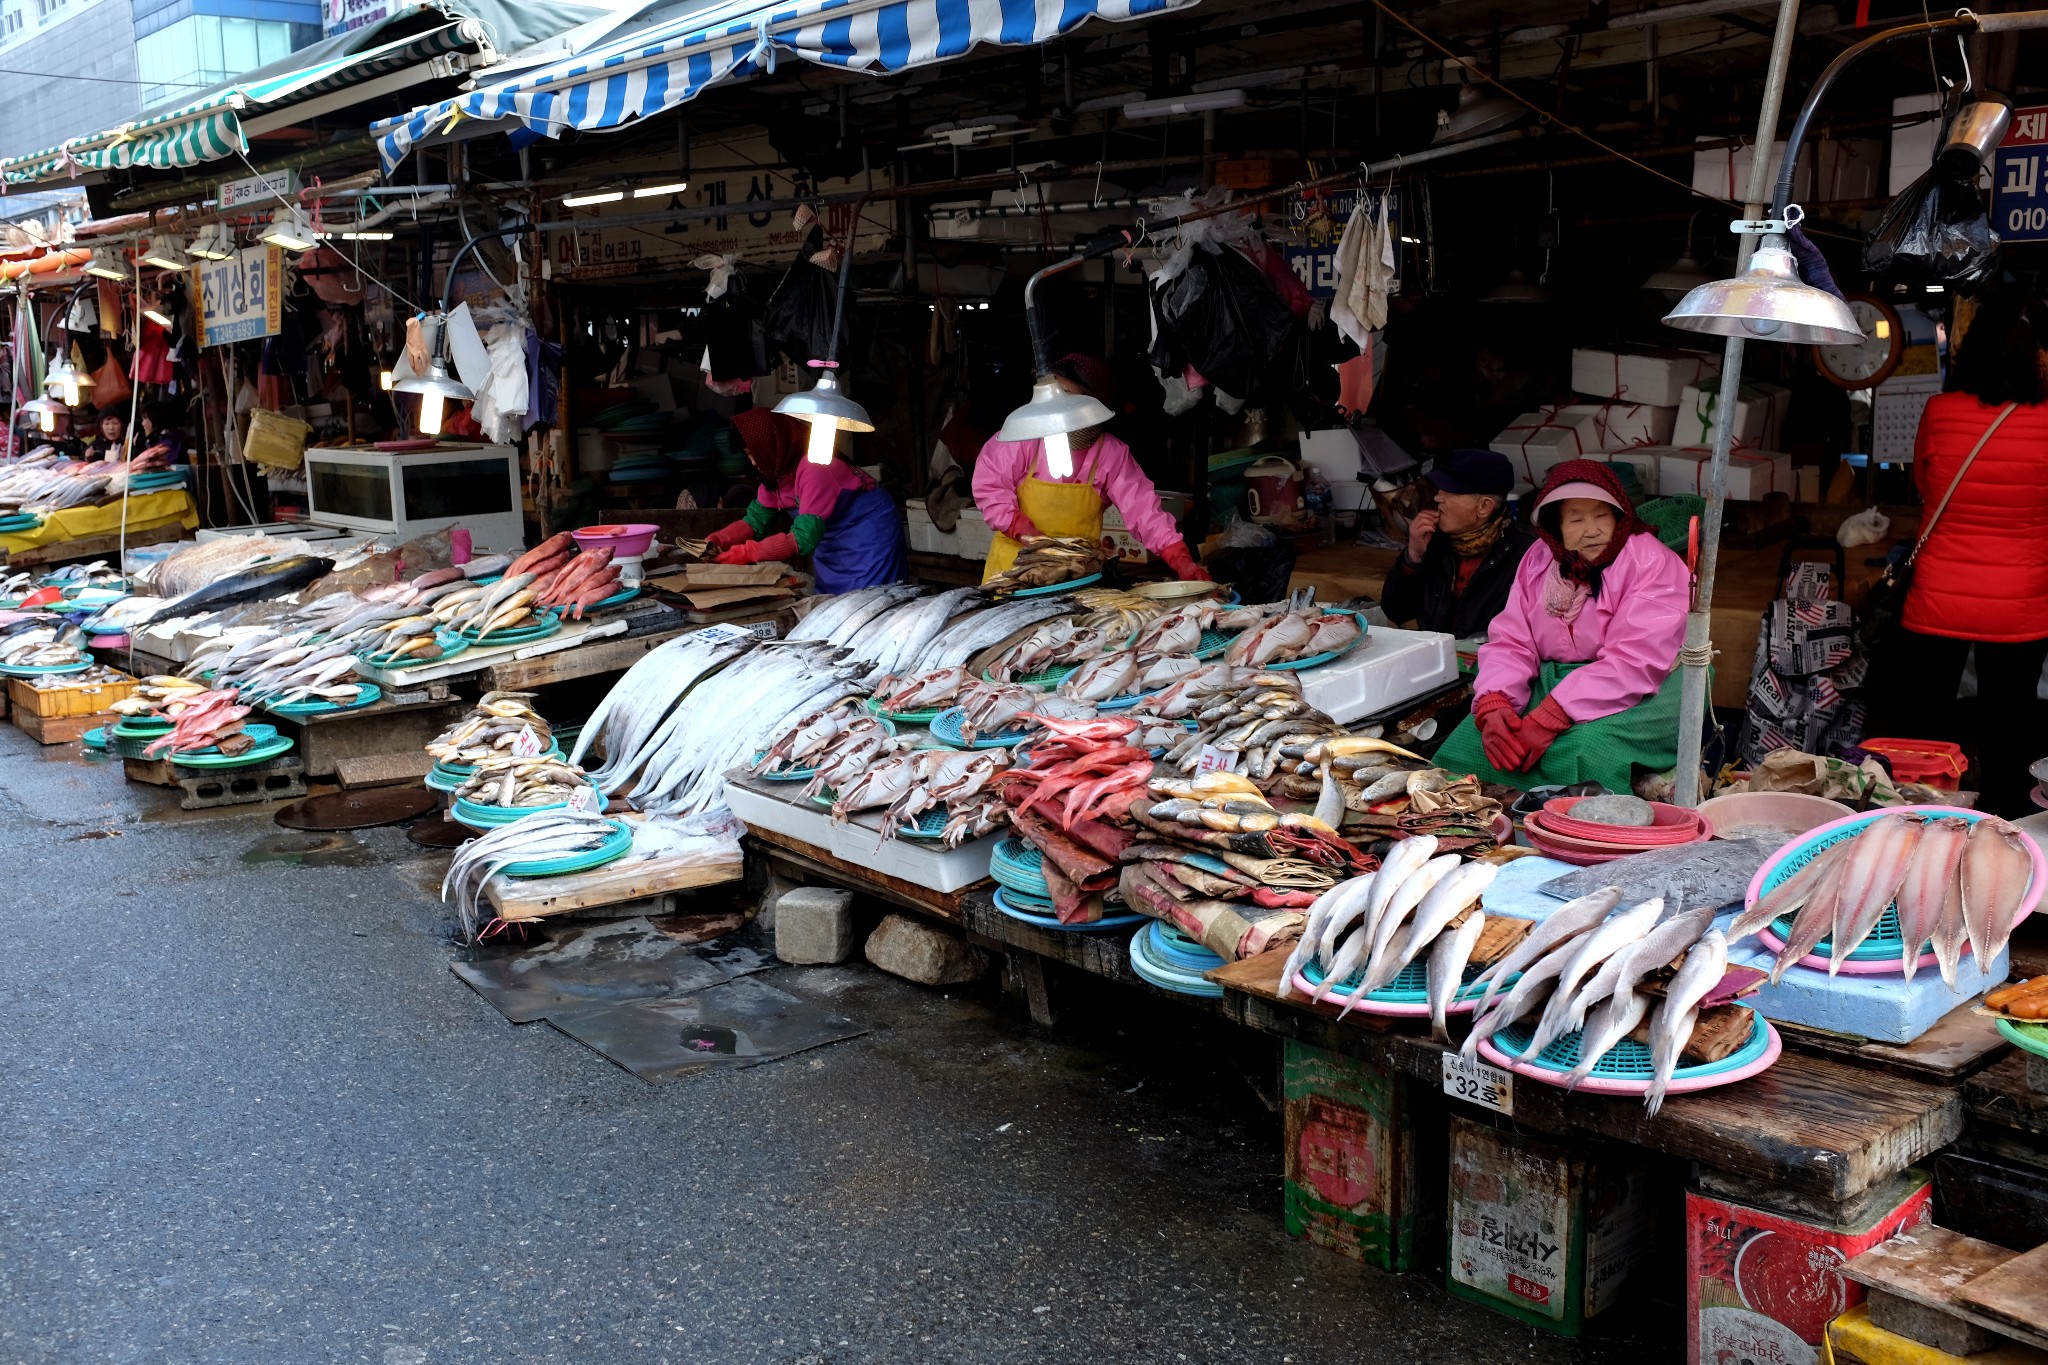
x,y
1537,442
1752,474
970,537
1628,408
1759,415
1895,415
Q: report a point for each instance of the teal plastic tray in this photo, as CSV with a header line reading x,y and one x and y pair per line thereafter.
x,y
611,850
271,748
368,696
1329,655
1411,987
1628,1060
1157,958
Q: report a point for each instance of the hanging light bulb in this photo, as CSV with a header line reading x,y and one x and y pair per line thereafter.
x,y
167,253
829,411
1049,416
159,317
432,405
44,410
1768,300
384,380
436,386
107,264
214,243
66,380
1059,455
290,230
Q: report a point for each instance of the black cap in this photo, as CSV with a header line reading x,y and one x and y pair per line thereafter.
x,y
1474,471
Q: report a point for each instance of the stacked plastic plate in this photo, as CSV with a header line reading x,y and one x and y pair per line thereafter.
x,y
617,415
638,466
1553,831
156,481
13,523
1172,961
1021,892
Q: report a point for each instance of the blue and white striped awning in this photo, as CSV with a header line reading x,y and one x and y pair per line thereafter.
x,y
658,69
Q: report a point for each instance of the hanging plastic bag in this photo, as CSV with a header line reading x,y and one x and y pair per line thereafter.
x,y
1228,320
798,325
1937,232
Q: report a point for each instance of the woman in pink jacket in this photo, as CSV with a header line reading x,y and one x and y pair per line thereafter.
x,y
1576,679
1020,498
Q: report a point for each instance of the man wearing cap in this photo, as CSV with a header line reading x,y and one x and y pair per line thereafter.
x,y
1462,552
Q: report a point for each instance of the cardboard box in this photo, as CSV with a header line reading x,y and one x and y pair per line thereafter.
x,y
1620,426
1751,475
1643,459
1537,442
1645,375
1765,1286
1806,484
1351,1182
1759,415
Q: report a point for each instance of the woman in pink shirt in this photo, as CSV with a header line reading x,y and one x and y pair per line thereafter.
x,y
1020,498
1576,680
840,517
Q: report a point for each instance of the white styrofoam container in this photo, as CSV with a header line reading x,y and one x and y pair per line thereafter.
x,y
970,537
807,821
1656,377
1391,667
1752,474
1335,452
1895,415
1643,459
1618,426
1759,415
1723,172
922,862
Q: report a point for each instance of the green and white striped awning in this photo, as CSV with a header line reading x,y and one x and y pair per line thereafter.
x,y
210,128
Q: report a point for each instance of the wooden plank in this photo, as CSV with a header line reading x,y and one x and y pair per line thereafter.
x,y
532,898
92,547
2011,1298
813,861
382,770
610,656
327,741
57,729
1961,1041
2001,1095
1812,1126
1926,1266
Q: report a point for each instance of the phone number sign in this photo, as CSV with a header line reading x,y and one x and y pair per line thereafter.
x,y
2019,178
1315,225
241,298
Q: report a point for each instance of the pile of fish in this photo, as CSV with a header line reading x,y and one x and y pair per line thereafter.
x,y
835,745
992,708
1227,803
531,838
1082,771
191,567
479,609
492,729
202,721
99,675
53,487
1953,881
1374,926
938,687
901,633
1117,614
1260,719
271,578
584,581
1281,632
97,574
910,782
15,586
43,646
155,694
636,716
1046,560
509,781
1589,968
1061,640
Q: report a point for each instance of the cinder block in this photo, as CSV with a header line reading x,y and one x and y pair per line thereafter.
x,y
814,924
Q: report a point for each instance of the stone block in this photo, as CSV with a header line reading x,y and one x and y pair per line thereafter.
x,y
919,952
814,924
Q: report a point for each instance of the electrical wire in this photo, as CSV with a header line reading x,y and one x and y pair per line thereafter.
x,y
330,244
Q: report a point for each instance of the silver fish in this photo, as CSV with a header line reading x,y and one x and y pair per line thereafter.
x,y
1936,866
1447,970
1621,972
1611,1023
1701,971
1997,865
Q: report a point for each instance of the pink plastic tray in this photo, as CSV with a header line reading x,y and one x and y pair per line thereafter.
x,y
1680,1085
1671,825
1881,966
1416,1011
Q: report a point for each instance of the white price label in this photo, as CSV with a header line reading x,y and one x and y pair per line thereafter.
x,y
762,629
1489,1087
722,632
1215,760
526,744
584,800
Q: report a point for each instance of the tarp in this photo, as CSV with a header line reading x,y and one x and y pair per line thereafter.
x,y
146,512
660,67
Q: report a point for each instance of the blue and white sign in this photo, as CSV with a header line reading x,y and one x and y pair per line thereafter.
x,y
1315,224
2019,178
240,298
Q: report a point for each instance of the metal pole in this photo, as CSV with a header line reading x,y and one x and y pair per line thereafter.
x,y
1698,654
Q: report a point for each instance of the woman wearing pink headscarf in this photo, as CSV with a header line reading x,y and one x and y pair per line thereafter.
x,y
1576,680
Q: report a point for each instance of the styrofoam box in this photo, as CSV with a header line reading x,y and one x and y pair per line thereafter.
x,y
1643,460
1752,474
1656,377
1759,415
1618,426
922,862
970,537
1895,415
1391,667
806,821
1335,452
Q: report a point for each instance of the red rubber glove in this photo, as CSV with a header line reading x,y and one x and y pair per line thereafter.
x,y
1020,528
1540,729
782,545
729,536
1499,732
1183,564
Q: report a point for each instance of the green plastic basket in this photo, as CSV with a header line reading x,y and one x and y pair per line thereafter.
x,y
1671,518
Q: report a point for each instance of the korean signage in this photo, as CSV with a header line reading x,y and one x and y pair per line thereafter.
x,y
345,16
1315,224
759,236
239,299
2019,179
260,191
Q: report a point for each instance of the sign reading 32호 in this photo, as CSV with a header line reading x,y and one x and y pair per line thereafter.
x,y
2019,178
241,298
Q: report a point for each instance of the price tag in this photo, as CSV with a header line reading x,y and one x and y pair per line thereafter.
x,y
764,630
526,744
583,800
722,632
1475,1082
1215,760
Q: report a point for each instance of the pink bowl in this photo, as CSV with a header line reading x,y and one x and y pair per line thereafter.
x,y
1671,825
1543,824
628,539
1794,812
1601,1085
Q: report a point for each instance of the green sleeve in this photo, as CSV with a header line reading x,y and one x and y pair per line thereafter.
x,y
759,517
808,531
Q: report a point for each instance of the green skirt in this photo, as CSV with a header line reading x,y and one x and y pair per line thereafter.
x,y
1607,751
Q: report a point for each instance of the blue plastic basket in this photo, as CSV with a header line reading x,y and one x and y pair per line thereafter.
x,y
923,717
274,747
806,774
1016,864
945,728
1163,959
615,847
546,623
96,738
1886,942
1025,902
2028,1037
1409,987
1328,656
1214,642
1628,1060
478,816
929,825
369,694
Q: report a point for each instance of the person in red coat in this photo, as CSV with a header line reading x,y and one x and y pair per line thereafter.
x,y
1982,577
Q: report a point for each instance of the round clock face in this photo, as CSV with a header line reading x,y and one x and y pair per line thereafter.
x,y
1863,364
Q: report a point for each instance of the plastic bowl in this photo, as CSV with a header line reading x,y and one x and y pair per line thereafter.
x,y
1793,813
625,539
1543,825
1670,825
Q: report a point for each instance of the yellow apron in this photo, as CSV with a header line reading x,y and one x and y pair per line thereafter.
x,y
1056,509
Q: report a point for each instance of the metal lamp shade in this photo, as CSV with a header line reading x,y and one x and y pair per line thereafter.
x,y
214,243
824,402
1679,278
107,264
1475,116
1767,302
167,253
1053,411
436,380
41,408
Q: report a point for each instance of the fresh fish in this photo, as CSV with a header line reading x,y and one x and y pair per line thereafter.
x,y
1350,957
1566,922
1611,1023
1613,934
1701,971
1815,920
1447,900
1997,865
1621,972
273,579
1407,896
1787,896
1951,929
1447,970
1884,850
1401,862
1330,800
1537,979
1112,675
1935,868
1345,904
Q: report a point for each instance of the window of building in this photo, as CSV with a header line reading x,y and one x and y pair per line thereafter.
x,y
46,9
206,49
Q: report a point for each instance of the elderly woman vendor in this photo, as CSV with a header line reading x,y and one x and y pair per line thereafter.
x,y
1576,682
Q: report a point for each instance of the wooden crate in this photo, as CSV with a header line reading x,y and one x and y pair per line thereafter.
x,y
88,699
1352,1154
58,729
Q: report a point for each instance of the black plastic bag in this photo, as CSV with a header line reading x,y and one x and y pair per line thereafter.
x,y
1260,573
1229,321
799,318
736,333
1937,232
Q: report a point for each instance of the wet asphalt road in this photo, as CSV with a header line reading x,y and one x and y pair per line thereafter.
x,y
247,1114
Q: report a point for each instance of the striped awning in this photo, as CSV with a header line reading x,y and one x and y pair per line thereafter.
x,y
658,70
210,128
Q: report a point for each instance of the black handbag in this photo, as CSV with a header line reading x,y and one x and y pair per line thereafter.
x,y
1885,607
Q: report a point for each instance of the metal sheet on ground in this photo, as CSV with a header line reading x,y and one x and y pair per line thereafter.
x,y
362,809
435,832
597,964
738,1024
